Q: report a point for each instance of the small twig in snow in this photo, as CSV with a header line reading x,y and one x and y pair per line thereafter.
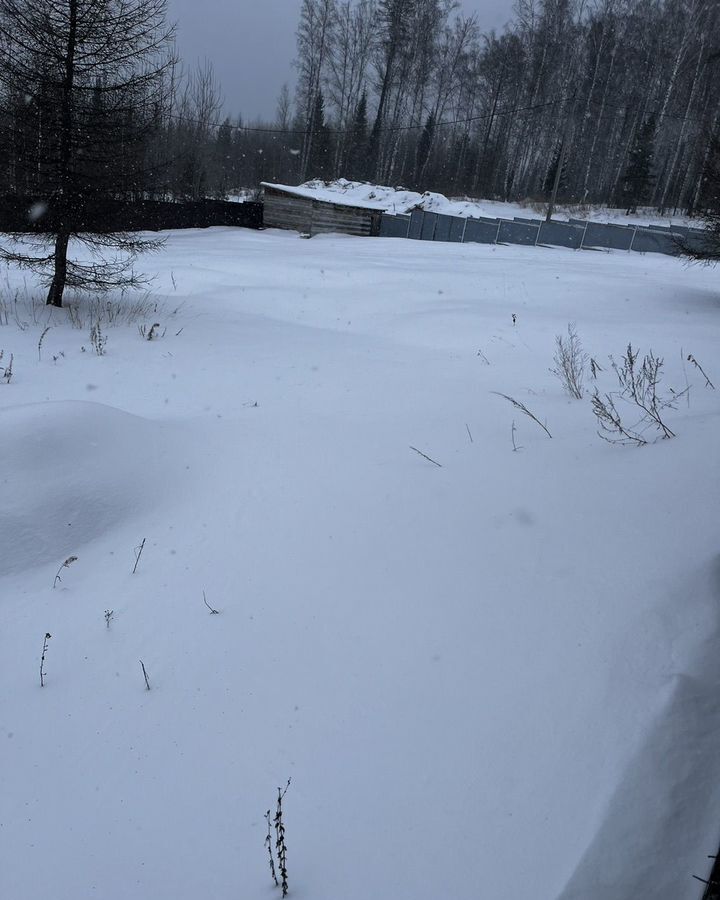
x,y
512,435
687,380
697,365
42,658
138,554
214,612
469,434
425,456
147,682
521,406
68,562
40,342
268,844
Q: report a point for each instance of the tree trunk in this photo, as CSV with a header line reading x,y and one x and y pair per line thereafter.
x,y
57,286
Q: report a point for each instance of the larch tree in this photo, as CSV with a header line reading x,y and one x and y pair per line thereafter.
x,y
86,81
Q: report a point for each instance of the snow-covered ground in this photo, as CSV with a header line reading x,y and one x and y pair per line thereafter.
x,y
400,201
497,677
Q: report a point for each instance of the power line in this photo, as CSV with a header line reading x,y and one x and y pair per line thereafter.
x,y
383,129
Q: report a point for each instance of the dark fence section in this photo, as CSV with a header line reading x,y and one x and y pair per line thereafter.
x,y
653,241
394,226
457,229
576,234
560,234
608,237
28,214
416,223
478,231
427,231
518,232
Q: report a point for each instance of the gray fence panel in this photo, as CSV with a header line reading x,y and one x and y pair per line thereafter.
x,y
416,223
573,234
428,226
457,228
612,237
394,226
561,234
647,241
697,240
479,232
518,233
442,228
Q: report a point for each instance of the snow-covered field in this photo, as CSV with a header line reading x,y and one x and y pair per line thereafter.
x,y
399,201
495,678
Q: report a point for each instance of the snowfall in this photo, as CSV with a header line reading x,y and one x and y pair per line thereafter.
x,y
486,658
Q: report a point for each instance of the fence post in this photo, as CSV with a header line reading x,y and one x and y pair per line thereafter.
x,y
633,239
462,239
582,241
497,233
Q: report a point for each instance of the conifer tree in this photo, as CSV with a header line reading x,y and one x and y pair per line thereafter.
x,y
356,159
92,72
320,159
638,177
424,147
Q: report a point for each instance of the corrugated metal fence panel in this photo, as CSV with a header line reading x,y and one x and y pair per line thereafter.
x,y
457,229
428,226
561,234
477,232
394,226
697,240
416,224
518,233
611,237
647,241
442,228
575,234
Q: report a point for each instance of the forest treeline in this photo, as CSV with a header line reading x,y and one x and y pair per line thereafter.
x,y
606,101
615,101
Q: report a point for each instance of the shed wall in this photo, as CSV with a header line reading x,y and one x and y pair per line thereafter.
x,y
284,210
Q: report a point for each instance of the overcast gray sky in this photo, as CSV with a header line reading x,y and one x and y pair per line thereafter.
x,y
252,44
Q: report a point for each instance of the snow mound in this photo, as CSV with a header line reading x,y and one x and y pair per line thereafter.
x,y
675,775
71,471
399,201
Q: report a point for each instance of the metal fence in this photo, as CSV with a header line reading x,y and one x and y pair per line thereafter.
x,y
24,214
576,234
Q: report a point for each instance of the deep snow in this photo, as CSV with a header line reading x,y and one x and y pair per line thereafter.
x,y
494,679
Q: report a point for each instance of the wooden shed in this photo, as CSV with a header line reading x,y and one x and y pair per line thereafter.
x,y
300,209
